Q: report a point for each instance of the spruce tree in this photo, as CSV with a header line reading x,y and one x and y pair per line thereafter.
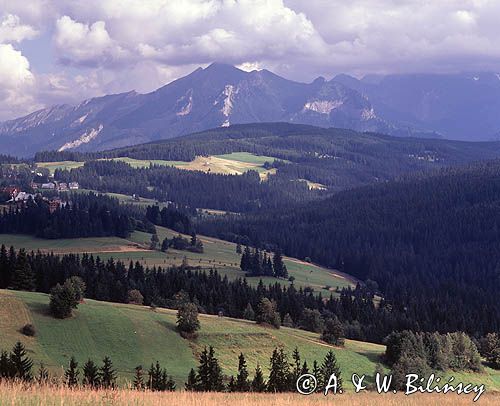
x,y
43,374
287,321
231,386
21,363
305,369
258,383
216,378
6,368
328,368
91,374
192,381
138,382
107,373
249,313
279,375
4,268
279,267
209,377
23,277
296,367
242,383
71,373
154,377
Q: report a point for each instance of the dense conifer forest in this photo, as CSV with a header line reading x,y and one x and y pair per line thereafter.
x,y
78,215
336,158
430,243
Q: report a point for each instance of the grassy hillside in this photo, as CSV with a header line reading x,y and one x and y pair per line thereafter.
x,y
235,163
217,253
133,335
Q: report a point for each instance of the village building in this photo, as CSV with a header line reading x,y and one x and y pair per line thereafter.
x,y
74,185
49,185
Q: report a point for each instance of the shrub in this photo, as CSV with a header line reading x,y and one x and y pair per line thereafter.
x,y
28,330
135,297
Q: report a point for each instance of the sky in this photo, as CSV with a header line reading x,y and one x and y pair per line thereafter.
x,y
64,51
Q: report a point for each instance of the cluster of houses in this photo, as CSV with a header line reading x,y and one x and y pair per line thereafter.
x,y
19,198
58,186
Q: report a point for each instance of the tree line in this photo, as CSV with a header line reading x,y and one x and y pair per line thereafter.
x,y
77,215
208,376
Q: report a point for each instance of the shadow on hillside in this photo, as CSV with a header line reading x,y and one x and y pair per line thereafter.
x,y
167,325
40,308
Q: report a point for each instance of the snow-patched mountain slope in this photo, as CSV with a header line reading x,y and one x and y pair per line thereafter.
x,y
219,95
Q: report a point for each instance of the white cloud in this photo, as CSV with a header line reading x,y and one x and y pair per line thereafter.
x,y
107,46
17,82
85,44
11,29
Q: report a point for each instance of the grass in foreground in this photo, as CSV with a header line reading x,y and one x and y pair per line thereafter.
x,y
17,394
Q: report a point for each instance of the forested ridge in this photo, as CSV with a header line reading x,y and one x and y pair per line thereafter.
x,y
336,158
431,243
193,188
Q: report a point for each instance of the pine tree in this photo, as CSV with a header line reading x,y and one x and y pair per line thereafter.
x,y
138,382
71,373
258,383
20,362
107,374
328,368
242,383
91,374
23,277
192,381
279,375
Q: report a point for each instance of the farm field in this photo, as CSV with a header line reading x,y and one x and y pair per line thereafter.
x,y
235,163
136,335
52,166
217,254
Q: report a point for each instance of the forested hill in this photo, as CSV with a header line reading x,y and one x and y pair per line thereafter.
x,y
431,243
336,158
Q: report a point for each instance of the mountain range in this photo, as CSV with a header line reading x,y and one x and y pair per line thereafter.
x,y
460,106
